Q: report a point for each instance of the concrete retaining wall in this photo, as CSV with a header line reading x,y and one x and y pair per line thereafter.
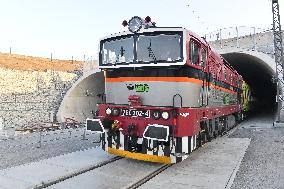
x,y
30,97
262,42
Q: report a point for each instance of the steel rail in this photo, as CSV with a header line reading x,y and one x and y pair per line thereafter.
x,y
74,174
148,177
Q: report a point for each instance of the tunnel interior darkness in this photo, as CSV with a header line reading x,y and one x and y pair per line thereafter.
x,y
258,77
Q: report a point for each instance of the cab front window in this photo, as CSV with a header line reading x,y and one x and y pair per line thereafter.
x,y
155,48
145,48
118,51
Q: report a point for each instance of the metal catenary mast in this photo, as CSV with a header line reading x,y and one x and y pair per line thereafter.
x,y
278,49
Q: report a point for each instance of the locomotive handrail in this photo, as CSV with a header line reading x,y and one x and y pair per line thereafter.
x,y
174,100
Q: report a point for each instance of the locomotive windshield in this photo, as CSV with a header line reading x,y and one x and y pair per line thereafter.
x,y
118,50
142,48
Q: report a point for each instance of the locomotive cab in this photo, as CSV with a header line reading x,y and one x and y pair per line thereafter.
x,y
159,87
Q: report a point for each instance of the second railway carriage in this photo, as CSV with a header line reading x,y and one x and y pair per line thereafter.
x,y
166,93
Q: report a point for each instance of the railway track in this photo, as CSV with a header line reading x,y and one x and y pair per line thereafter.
x,y
134,183
137,182
148,177
79,172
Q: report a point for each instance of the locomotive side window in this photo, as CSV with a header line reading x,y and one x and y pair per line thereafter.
x,y
203,57
194,52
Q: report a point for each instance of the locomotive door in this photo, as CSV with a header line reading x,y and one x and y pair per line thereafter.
x,y
205,78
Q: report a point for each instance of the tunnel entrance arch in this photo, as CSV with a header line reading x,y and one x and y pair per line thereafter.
x,y
257,70
81,99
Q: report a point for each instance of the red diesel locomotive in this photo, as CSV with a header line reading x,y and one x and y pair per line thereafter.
x,y
166,93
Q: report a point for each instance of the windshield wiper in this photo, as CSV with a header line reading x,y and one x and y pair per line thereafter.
x,y
122,51
151,53
118,56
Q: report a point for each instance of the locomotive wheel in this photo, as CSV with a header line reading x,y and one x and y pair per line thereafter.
x,y
206,132
215,134
209,132
209,138
240,116
199,140
224,127
203,137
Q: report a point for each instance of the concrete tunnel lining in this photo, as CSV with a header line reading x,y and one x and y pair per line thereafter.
x,y
256,68
81,99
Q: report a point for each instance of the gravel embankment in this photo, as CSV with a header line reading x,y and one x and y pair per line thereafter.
x,y
263,163
26,148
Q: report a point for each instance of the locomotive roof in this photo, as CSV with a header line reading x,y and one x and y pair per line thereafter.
x,y
143,30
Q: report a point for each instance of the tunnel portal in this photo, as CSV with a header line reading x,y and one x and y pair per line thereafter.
x,y
258,74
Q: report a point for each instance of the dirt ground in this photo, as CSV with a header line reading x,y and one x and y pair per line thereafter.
x,y
21,62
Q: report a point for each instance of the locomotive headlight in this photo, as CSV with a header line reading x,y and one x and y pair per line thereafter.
x,y
115,112
156,114
108,111
135,24
165,115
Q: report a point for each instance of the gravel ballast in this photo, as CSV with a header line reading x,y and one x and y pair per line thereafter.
x,y
262,165
26,148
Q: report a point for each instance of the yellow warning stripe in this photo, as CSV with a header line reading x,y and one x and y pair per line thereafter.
x,y
139,156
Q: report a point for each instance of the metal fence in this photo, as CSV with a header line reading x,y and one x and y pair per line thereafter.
x,y
234,32
248,38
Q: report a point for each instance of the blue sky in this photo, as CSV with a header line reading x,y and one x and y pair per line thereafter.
x,y
69,28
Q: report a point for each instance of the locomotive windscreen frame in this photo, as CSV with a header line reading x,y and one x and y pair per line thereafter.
x,y
147,47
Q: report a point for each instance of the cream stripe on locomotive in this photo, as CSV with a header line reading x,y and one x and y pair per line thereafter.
x,y
152,91
179,149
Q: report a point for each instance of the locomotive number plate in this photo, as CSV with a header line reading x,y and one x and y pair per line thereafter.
x,y
135,113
